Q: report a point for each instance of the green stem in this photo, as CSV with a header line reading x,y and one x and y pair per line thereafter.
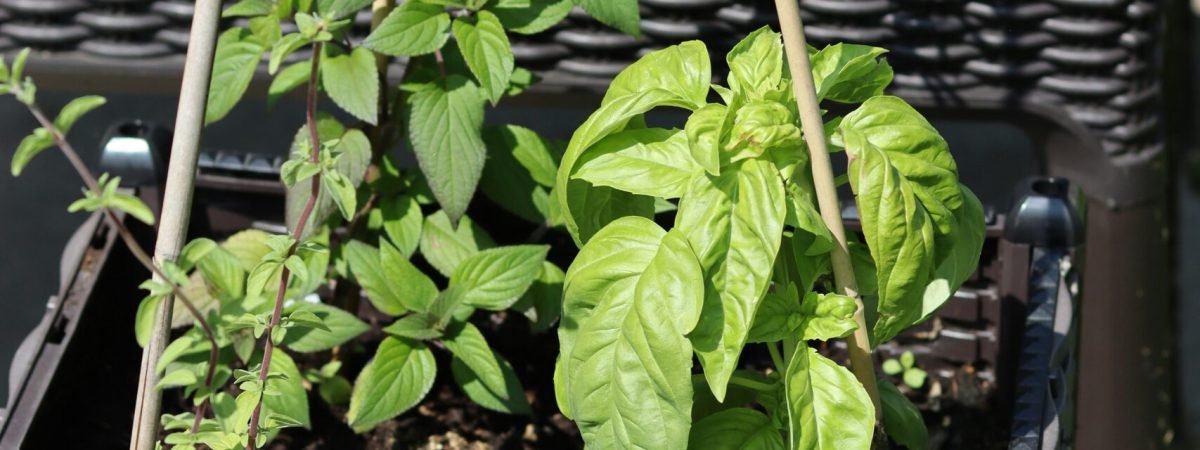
x,y
754,385
780,366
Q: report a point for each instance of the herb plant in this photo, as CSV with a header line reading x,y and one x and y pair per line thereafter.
x,y
357,221
747,260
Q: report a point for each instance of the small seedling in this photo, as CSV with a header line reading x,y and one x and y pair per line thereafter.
x,y
906,368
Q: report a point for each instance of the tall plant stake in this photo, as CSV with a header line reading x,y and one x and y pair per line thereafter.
x,y
796,48
177,205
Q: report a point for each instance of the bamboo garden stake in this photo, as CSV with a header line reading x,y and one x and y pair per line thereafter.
x,y
795,47
177,204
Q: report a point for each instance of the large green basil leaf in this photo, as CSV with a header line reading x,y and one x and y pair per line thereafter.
x,y
399,376
899,232
735,223
901,419
647,161
756,64
677,76
704,130
850,73
762,125
496,278
444,126
916,151
736,429
626,366
542,303
914,211
828,409
965,242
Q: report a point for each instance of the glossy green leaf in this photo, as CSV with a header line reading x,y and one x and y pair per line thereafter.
x,y
827,316
486,49
827,407
402,222
344,8
760,126
284,47
419,326
778,318
222,274
144,319
288,79
445,247
399,376
413,28
676,76
526,147
704,130
469,346
511,401
237,55
248,8
496,278
507,183
901,419
342,325
735,223
542,303
899,234
74,110
626,366
342,191
352,82
966,243
619,14
445,131
736,429
392,283
30,146
756,64
850,73
649,161
133,206
530,16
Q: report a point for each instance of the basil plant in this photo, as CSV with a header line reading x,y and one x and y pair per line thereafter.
x,y
746,261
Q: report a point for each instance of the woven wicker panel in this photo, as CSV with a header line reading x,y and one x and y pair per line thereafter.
x,y
1098,59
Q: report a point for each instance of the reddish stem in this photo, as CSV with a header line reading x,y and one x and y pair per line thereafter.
x,y
297,234
134,247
